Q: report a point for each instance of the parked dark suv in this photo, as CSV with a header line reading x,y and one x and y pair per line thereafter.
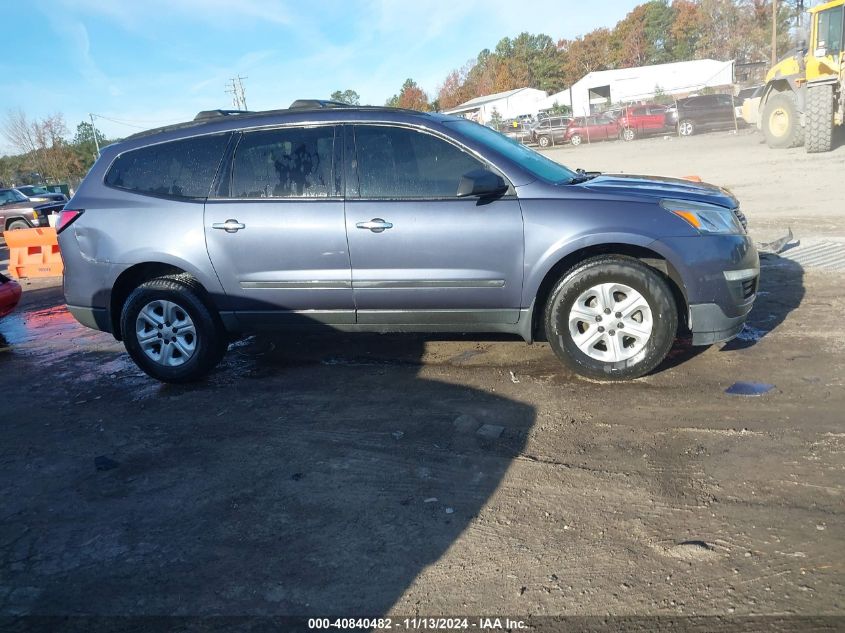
x,y
705,112
550,130
387,220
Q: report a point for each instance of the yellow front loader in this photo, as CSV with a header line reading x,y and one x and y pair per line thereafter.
x,y
803,100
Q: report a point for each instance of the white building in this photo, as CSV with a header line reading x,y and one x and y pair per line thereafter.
x,y
508,105
596,91
561,98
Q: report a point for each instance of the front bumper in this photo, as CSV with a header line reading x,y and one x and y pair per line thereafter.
x,y
711,325
719,275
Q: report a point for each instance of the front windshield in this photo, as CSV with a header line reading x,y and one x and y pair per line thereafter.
x,y
527,158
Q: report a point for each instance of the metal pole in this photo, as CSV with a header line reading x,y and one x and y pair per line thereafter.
x,y
94,130
774,32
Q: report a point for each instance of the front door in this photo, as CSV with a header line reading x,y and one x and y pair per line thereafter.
x,y
276,231
419,253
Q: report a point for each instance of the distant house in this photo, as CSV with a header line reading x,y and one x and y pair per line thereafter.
x,y
508,105
598,90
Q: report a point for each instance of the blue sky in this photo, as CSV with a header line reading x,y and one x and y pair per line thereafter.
x,y
151,62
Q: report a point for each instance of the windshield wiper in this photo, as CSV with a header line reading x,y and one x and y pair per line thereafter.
x,y
583,176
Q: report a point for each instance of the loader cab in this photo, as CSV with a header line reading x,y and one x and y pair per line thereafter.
x,y
828,32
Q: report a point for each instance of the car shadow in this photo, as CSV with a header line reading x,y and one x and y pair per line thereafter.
x,y
311,474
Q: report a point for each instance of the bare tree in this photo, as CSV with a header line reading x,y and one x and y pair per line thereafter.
x,y
42,144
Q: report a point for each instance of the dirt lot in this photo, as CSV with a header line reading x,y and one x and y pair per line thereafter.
x,y
431,475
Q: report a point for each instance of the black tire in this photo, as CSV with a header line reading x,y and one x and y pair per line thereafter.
x,y
211,338
17,225
544,141
819,134
792,135
628,134
686,127
653,287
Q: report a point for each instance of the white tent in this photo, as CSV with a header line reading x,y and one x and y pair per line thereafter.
x,y
508,105
598,90
561,98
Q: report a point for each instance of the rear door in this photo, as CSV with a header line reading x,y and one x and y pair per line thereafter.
x,y
419,253
275,229
655,118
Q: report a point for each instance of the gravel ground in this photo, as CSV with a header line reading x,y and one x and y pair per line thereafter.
x,y
403,475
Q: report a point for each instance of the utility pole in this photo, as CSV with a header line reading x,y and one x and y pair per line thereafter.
x,y
94,130
774,32
235,87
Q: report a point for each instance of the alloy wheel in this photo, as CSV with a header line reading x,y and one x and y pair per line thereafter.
x,y
610,322
166,333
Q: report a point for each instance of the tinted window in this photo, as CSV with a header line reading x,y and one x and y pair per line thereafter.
x,y
400,163
285,163
182,169
10,195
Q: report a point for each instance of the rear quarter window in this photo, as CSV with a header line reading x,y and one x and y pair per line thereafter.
x,y
176,169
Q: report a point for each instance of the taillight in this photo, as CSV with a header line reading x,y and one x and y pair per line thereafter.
x,y
66,218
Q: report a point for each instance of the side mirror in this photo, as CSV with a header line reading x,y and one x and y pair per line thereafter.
x,y
481,182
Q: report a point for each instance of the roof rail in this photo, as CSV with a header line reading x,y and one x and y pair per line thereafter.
x,y
302,104
212,114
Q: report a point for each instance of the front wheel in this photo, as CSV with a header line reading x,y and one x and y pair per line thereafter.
x,y
781,123
686,127
628,134
544,141
611,318
170,332
17,225
576,139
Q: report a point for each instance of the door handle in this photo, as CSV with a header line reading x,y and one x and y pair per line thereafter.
x,y
230,226
376,225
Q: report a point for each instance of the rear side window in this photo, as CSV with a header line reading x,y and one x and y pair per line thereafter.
x,y
285,163
397,162
178,169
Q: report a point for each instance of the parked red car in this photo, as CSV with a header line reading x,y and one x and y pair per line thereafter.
x,y
10,294
636,121
590,129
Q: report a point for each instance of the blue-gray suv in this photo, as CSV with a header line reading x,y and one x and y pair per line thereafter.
x,y
385,220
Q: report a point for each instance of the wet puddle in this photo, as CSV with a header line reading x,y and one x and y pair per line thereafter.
x,y
749,389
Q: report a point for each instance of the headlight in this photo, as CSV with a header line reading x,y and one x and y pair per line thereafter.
x,y
705,218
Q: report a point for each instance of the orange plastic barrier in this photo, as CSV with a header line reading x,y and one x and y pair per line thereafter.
x,y
34,253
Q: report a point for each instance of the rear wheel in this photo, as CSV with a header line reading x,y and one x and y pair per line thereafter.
x,y
819,119
628,134
575,139
170,332
544,141
611,318
781,125
686,127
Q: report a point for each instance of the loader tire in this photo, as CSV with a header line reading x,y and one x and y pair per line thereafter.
x,y
819,119
781,122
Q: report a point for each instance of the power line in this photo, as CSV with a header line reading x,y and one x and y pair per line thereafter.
x,y
235,87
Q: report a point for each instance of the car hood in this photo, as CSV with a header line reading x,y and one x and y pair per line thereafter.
x,y
658,187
